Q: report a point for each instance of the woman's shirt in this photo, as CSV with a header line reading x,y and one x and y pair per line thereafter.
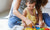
x,y
21,7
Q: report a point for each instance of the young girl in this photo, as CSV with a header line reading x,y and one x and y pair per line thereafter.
x,y
30,12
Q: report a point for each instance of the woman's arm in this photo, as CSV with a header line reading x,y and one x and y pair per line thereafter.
x,y
41,23
39,14
36,17
15,10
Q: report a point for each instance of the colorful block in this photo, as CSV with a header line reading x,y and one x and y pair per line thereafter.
x,y
37,28
46,28
28,29
34,29
43,28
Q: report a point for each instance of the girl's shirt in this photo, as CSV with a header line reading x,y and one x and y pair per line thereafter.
x,y
31,17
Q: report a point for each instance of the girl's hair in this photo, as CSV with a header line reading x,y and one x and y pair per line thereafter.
x,y
30,1
40,3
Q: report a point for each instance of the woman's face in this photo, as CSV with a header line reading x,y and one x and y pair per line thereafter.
x,y
30,6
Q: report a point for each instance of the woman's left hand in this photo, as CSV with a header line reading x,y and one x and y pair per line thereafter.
x,y
41,23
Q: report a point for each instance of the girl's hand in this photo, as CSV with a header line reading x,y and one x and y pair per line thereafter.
x,y
41,23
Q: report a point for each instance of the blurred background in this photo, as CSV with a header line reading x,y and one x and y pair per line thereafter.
x,y
5,6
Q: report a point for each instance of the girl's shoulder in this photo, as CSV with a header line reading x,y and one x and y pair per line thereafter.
x,y
25,9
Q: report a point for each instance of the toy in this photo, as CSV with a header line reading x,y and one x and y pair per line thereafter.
x,y
28,29
37,28
41,29
46,28
34,29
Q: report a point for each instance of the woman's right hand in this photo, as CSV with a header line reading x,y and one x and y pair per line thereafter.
x,y
28,22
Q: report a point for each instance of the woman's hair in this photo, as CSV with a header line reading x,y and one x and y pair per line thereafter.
x,y
40,3
30,1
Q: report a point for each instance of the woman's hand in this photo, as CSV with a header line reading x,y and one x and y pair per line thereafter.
x,y
41,23
28,22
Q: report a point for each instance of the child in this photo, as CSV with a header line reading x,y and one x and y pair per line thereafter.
x,y
30,12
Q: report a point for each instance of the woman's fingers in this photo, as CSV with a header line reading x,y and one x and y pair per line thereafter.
x,y
28,22
24,24
41,24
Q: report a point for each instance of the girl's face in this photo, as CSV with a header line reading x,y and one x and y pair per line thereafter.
x,y
30,6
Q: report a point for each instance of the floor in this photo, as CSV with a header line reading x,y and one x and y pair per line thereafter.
x,y
4,24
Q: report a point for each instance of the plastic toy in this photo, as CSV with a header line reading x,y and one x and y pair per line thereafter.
x,y
41,29
46,28
34,29
28,29
37,28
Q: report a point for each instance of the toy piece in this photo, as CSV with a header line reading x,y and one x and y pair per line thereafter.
x,y
41,29
30,25
34,29
37,27
28,29
46,29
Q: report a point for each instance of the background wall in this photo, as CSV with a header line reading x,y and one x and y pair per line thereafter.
x,y
48,4
5,5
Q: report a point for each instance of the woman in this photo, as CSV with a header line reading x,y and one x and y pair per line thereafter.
x,y
16,13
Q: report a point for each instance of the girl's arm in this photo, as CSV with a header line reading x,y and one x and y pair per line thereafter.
x,y
24,12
